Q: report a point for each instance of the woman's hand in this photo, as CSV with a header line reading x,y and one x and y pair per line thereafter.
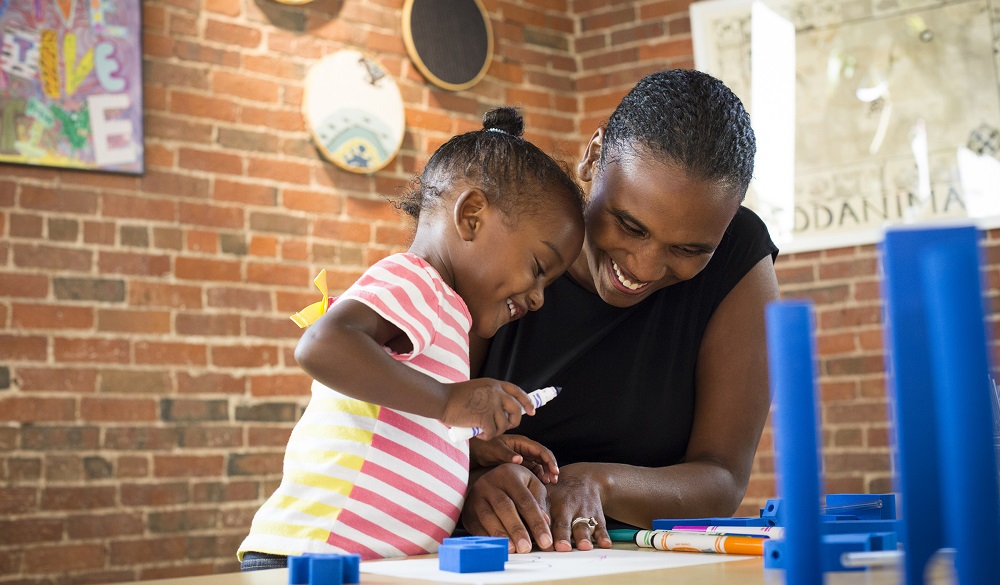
x,y
502,500
492,405
516,449
577,495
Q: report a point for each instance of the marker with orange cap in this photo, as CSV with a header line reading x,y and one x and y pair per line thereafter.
x,y
700,542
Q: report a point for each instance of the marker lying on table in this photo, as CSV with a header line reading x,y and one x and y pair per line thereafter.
x,y
699,542
766,531
538,398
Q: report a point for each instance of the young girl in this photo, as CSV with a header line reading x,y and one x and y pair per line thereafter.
x,y
369,468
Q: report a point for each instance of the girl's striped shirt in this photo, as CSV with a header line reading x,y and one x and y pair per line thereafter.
x,y
360,478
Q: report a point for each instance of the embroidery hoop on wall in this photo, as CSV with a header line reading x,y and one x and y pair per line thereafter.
x,y
353,111
449,41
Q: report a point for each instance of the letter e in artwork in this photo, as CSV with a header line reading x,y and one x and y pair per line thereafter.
x,y
107,66
113,143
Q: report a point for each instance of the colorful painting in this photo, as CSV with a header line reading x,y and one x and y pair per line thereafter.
x,y
71,84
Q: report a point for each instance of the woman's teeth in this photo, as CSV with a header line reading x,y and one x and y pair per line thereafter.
x,y
511,307
625,282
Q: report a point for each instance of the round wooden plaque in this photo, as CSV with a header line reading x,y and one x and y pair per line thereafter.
x,y
450,41
353,111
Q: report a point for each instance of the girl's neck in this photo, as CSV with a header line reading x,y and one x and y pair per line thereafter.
x,y
429,244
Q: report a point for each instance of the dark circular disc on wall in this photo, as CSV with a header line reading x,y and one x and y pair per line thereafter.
x,y
450,41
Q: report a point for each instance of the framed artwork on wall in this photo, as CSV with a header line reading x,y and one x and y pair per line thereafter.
x,y
71,84
894,116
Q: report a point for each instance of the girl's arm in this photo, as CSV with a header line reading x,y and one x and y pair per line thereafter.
x,y
344,350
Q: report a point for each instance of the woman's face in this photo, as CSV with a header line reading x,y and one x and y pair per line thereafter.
x,y
648,225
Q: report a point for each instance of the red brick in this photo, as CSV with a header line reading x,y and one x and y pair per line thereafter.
x,y
35,410
249,193
58,559
51,317
78,498
132,263
294,250
278,170
147,550
89,526
202,241
280,385
207,324
161,294
187,465
31,531
52,258
245,87
24,347
23,285
202,106
268,436
232,34
140,438
245,356
133,208
117,409
201,269
271,120
156,495
145,321
57,379
211,215
277,274
134,381
170,353
207,160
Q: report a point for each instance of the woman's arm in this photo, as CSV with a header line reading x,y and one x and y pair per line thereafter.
x,y
731,405
732,402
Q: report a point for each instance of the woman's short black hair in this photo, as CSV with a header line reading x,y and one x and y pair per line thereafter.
x,y
514,174
689,118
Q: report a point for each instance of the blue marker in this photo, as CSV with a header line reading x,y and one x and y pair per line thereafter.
x,y
538,398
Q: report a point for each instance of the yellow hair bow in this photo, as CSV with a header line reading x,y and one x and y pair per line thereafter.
x,y
308,315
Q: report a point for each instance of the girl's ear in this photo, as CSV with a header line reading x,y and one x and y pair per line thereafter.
x,y
470,207
591,156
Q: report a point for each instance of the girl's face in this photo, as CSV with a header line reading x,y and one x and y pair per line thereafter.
x,y
509,262
649,225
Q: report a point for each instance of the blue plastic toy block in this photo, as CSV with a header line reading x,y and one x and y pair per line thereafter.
x,y
471,557
497,540
832,546
791,359
324,569
298,570
860,526
669,523
855,516
938,364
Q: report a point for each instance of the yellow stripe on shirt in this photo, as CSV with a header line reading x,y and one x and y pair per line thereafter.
x,y
332,484
334,432
317,509
347,406
346,460
291,530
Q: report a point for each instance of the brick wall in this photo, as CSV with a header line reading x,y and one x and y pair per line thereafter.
x,y
147,384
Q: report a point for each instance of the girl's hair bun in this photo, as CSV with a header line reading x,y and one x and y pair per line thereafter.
x,y
504,119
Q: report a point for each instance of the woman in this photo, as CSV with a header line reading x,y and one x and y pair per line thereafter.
x,y
655,333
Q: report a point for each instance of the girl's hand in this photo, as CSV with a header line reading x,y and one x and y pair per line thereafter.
x,y
492,405
515,449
